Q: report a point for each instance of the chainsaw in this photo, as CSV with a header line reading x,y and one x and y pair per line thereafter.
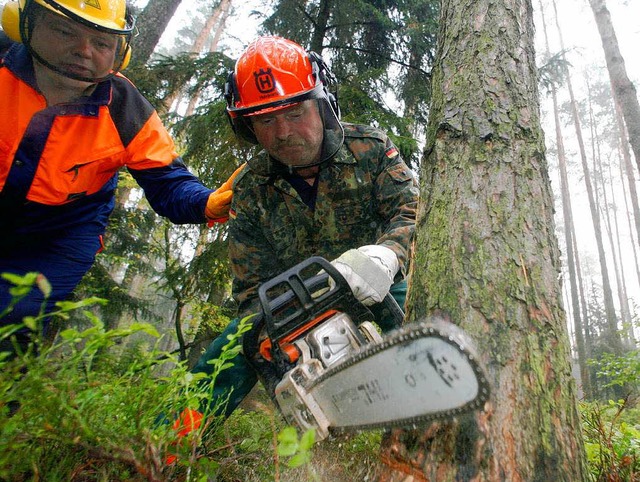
x,y
327,367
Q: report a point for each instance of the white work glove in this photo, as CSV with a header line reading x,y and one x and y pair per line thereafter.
x,y
369,271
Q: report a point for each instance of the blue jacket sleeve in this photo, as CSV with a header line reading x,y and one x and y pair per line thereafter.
x,y
174,192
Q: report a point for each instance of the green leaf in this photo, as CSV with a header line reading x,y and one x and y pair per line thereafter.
x,y
308,439
30,322
146,327
26,280
288,442
299,460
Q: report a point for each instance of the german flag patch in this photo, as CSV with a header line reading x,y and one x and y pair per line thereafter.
x,y
392,152
232,213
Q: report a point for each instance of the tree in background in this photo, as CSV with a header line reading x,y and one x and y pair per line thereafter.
x,y
151,23
568,224
486,252
624,92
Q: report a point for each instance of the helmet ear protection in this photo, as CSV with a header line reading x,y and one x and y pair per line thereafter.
x,y
12,21
328,80
325,80
126,57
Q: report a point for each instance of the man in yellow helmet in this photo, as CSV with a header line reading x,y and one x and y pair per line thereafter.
x,y
69,121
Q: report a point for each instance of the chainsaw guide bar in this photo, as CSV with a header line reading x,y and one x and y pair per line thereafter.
x,y
419,373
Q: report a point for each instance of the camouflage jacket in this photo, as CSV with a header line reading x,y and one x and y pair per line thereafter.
x,y
366,195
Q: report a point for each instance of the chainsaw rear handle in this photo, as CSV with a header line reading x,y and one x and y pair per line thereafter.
x,y
292,301
303,292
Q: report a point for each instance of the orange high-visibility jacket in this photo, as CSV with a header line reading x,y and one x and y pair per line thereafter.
x,y
59,164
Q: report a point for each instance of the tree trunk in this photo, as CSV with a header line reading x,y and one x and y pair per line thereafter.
x,y
612,335
485,252
623,89
151,24
610,216
569,231
321,24
629,174
218,20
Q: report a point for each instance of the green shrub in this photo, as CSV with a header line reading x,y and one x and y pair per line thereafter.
x,y
612,440
77,410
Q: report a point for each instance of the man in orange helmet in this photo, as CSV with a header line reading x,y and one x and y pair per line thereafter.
x,y
69,121
319,187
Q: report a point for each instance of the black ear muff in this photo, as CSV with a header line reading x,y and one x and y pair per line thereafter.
x,y
230,94
11,21
239,124
328,80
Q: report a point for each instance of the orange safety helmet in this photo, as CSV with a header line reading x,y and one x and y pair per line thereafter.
x,y
109,16
274,73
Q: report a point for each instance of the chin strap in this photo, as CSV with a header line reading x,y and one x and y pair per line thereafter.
x,y
57,70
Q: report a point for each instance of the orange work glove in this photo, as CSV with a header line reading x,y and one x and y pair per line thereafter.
x,y
219,202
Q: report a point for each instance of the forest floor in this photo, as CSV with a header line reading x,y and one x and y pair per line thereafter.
x,y
343,458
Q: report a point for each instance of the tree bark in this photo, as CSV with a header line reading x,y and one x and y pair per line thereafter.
x,y
151,24
485,252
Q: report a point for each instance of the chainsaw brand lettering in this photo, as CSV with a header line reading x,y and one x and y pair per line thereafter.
x,y
369,393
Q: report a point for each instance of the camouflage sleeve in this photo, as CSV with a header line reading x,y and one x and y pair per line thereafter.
x,y
249,252
397,202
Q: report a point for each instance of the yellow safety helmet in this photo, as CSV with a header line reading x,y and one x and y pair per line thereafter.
x,y
110,16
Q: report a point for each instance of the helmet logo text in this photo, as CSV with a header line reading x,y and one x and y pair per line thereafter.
x,y
264,81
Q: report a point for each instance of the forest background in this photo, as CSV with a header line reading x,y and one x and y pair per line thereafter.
x,y
387,85
176,278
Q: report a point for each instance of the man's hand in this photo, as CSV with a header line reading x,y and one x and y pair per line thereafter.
x,y
219,202
369,271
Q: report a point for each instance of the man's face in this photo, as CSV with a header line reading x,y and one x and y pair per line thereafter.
x,y
72,47
292,135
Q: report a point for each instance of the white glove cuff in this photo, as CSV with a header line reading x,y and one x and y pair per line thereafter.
x,y
384,257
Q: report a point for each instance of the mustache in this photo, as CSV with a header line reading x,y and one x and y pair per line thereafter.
x,y
290,143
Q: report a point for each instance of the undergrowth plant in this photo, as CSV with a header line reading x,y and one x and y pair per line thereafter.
x,y
612,440
74,410
612,430
81,409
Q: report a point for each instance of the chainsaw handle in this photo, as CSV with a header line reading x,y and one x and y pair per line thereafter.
x,y
300,296
390,305
295,298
